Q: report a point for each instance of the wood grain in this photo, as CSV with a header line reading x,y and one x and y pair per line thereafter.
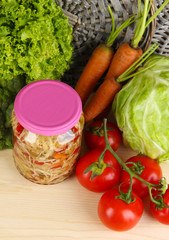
x,y
64,211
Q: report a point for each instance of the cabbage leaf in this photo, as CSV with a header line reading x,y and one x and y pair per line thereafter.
x,y
141,109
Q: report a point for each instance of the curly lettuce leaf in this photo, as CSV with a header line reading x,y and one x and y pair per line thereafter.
x,y
6,105
8,115
35,42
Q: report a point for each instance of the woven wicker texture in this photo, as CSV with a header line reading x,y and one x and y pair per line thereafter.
x,y
161,34
91,23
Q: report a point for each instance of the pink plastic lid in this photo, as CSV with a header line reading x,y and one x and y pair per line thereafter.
x,y
47,107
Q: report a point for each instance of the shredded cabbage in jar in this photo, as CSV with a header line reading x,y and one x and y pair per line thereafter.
x,y
46,159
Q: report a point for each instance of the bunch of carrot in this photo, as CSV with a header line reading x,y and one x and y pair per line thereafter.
x,y
118,64
99,61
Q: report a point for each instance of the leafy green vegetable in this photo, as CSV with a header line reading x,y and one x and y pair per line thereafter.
x,y
8,115
8,139
141,109
5,133
35,43
6,97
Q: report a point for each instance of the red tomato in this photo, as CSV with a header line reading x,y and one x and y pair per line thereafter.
x,y
152,173
162,215
117,214
106,180
94,135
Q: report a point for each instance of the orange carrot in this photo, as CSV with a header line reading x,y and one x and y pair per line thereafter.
x,y
124,57
128,53
122,60
101,99
99,61
57,165
58,155
95,68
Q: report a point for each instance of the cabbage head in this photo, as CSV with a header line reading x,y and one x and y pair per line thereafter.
x,y
141,109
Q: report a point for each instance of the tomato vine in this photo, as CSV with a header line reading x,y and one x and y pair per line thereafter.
x,y
127,197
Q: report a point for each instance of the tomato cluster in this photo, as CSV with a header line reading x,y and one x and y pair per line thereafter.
x,y
99,171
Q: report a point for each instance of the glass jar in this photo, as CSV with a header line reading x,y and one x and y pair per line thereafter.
x,y
47,123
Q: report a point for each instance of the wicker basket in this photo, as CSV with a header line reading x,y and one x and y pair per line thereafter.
x,y
161,34
91,23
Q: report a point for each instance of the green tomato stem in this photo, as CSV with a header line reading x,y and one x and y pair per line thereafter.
x,y
136,167
100,159
131,173
151,197
130,188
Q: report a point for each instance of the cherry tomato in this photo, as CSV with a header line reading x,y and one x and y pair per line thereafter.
x,y
151,172
117,214
162,215
109,171
94,135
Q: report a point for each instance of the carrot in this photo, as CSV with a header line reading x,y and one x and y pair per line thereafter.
x,y
95,68
101,99
58,155
98,62
57,165
126,55
106,92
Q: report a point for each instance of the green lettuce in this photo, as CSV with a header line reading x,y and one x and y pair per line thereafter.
x,y
141,109
35,43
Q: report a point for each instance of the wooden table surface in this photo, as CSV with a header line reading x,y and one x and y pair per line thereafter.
x,y
64,211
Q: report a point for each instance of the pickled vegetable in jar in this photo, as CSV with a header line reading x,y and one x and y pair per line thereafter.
x,y
47,123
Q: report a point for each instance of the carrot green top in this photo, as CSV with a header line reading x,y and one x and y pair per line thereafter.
x,y
142,21
115,32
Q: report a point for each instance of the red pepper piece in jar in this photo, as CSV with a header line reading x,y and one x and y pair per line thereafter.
x,y
19,129
64,149
76,150
75,139
38,163
75,130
